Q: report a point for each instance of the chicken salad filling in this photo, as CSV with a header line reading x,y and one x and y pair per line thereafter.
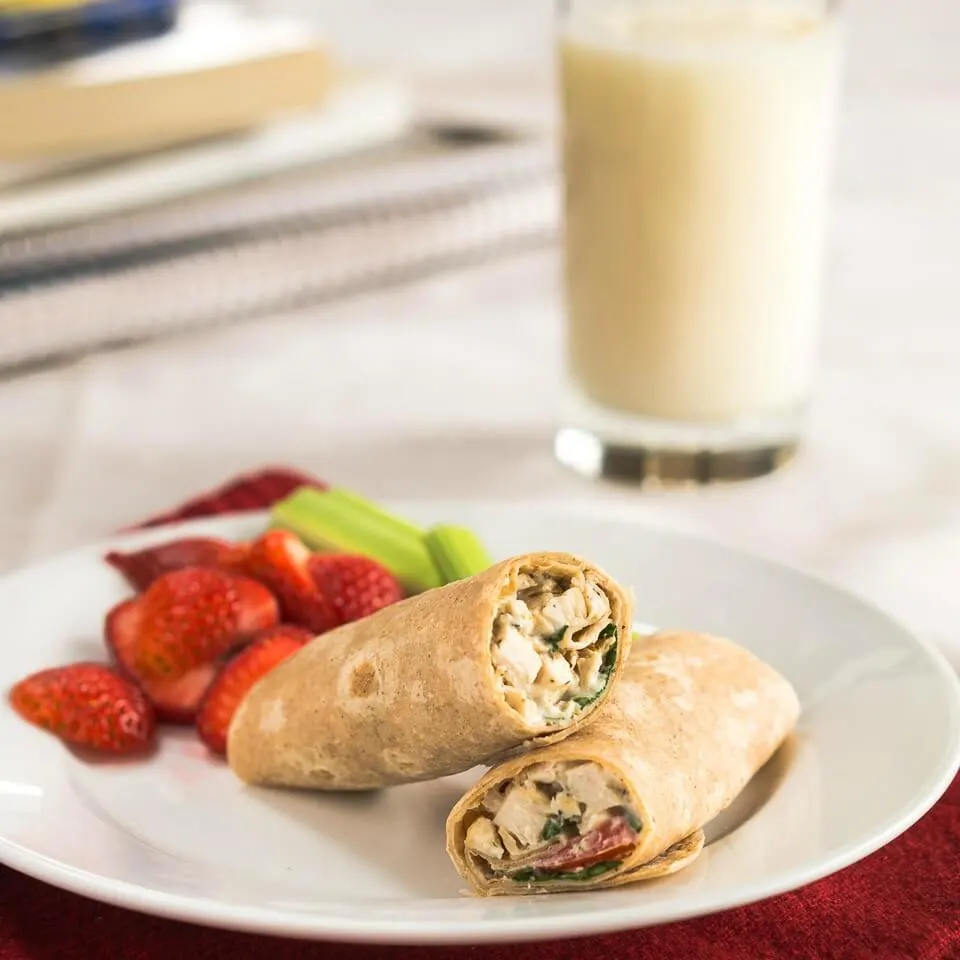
x,y
554,821
554,645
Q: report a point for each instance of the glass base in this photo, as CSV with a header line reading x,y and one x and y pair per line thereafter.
x,y
600,443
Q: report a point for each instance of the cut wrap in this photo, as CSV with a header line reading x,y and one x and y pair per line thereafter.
x,y
523,653
691,721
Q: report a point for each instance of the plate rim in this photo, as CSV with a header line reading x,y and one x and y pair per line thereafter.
x,y
449,931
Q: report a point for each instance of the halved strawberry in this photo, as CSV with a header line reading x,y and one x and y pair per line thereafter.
x,y
142,567
237,678
279,560
357,585
175,701
289,631
188,618
87,704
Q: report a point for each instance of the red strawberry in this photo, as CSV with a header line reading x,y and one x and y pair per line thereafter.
x,y
142,567
357,585
87,704
280,561
187,618
289,630
237,678
175,701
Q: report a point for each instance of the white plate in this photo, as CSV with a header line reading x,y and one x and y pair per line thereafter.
x,y
878,742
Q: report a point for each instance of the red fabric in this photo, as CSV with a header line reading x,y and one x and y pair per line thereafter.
x,y
251,491
902,903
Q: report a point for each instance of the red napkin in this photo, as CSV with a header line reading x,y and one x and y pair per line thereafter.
x,y
902,903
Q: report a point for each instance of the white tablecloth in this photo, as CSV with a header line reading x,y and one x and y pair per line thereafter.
x,y
448,386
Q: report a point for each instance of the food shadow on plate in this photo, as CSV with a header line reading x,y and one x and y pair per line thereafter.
x,y
398,831
88,649
755,795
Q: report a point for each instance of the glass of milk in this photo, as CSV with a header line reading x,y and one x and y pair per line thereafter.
x,y
697,140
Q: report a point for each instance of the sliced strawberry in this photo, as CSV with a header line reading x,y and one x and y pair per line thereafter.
x,y
174,701
288,630
87,704
177,701
142,567
237,678
357,585
281,562
187,618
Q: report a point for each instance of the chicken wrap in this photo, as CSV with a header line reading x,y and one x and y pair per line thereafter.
x,y
624,799
525,652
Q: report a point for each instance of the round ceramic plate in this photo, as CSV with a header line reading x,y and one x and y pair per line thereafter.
x,y
178,835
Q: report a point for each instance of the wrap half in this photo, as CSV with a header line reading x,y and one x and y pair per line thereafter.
x,y
693,718
523,653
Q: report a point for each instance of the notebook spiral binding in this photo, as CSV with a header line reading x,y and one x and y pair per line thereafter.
x,y
268,247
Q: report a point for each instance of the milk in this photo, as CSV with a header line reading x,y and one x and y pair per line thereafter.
x,y
696,151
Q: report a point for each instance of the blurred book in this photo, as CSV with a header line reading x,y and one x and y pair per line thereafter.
x,y
52,30
219,70
360,112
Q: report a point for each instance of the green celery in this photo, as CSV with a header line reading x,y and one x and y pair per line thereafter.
x,y
339,520
457,552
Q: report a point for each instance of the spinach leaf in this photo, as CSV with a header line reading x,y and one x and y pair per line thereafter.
x,y
556,825
531,874
609,661
610,630
555,638
609,658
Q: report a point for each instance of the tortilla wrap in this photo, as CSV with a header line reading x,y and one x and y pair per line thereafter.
x,y
412,693
691,721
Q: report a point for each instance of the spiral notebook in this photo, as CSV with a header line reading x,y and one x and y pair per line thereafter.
x,y
268,245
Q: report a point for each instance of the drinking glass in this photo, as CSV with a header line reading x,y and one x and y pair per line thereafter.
x,y
697,142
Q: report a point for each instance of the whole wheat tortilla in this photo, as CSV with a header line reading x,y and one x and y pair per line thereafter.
x,y
691,721
405,694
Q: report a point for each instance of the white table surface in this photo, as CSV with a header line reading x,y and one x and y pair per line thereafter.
x,y
448,386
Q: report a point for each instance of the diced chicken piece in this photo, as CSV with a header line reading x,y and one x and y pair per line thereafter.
x,y
574,605
556,671
492,801
482,837
592,787
569,609
523,813
518,614
531,712
588,669
587,636
516,657
510,843
549,618
538,594
598,606
566,805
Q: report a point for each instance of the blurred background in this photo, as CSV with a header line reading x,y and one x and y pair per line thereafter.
x,y
326,234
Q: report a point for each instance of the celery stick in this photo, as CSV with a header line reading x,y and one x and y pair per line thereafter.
x,y
350,500
335,520
457,552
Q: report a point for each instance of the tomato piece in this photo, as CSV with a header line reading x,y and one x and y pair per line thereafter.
x,y
610,841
